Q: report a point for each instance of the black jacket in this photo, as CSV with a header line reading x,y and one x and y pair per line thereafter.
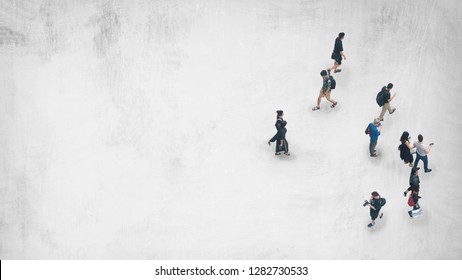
x,y
338,47
385,95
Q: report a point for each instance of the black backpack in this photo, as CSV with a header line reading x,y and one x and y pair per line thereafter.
x,y
379,99
383,201
333,83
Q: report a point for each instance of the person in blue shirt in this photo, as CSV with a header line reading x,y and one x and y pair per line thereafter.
x,y
374,127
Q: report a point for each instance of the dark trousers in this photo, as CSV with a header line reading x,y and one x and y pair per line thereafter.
x,y
423,158
372,146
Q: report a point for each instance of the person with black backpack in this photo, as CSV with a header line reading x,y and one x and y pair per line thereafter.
x,y
328,84
383,100
405,149
375,203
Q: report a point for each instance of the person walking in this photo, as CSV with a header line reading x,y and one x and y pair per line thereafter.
x,y
405,149
422,151
414,188
279,120
414,181
325,91
338,53
282,144
375,203
374,128
384,98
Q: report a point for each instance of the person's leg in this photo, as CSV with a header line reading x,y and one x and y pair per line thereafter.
x,y
286,147
425,161
328,97
372,146
417,159
390,110
385,107
406,191
336,64
320,96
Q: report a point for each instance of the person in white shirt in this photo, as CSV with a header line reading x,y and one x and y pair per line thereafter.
x,y
422,151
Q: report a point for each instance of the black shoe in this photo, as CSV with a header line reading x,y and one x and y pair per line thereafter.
x,y
405,194
428,171
370,225
328,71
337,70
278,153
287,154
381,119
381,215
410,213
374,155
269,143
392,111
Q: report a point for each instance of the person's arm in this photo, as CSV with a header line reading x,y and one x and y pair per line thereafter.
x,y
427,150
368,203
391,98
408,144
343,55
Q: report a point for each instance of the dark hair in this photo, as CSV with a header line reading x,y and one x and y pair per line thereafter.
x,y
404,137
390,86
414,170
279,112
375,194
420,137
323,73
341,35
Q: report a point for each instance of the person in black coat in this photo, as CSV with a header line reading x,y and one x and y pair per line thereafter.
x,y
279,120
375,204
405,149
337,53
282,144
414,182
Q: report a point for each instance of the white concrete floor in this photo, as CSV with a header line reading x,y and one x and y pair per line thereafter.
x,y
138,129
